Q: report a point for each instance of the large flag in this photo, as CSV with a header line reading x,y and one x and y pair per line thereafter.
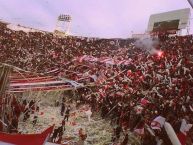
x,y
25,139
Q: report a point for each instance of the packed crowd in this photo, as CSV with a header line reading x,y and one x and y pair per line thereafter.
x,y
139,97
17,110
153,86
39,51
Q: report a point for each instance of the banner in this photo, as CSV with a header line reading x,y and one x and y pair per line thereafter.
x,y
25,139
33,80
105,60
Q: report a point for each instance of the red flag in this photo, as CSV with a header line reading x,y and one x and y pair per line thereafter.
x,y
48,131
26,139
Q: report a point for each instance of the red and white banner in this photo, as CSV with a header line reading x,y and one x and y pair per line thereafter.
x,y
106,60
26,81
50,88
25,139
33,79
37,86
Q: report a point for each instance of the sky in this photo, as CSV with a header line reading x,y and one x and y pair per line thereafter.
x,y
92,18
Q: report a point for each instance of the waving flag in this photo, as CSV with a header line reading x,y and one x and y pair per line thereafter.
x,y
158,122
105,60
25,139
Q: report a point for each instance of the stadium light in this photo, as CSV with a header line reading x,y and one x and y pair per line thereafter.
x,y
63,25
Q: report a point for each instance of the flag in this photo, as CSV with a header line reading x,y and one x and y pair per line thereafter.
x,y
38,86
25,139
185,127
158,122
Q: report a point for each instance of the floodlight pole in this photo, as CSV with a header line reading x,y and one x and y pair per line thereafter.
x,y
63,24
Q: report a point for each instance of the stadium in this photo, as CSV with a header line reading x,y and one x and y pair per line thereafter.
x,y
57,88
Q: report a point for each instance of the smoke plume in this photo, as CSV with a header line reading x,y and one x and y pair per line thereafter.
x,y
148,44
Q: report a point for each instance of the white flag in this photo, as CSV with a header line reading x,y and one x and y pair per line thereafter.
x,y
158,122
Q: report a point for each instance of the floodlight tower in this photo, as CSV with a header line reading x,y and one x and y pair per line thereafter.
x,y
63,24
